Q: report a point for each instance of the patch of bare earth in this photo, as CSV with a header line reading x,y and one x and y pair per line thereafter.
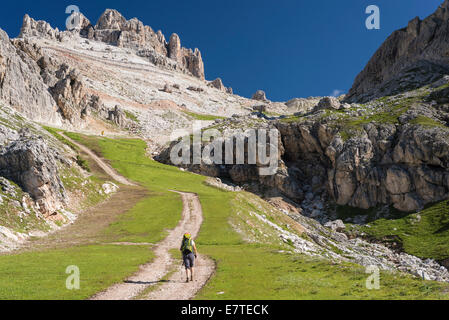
x,y
90,225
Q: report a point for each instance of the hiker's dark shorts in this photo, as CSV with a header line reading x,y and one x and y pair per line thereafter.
x,y
189,260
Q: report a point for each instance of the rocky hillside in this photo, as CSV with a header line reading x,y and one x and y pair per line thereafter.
x,y
384,158
410,58
22,87
376,158
112,28
43,183
393,151
390,154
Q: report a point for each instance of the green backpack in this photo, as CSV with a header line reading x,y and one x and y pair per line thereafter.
x,y
187,246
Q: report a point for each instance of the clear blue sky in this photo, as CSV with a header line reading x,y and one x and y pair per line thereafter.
x,y
289,48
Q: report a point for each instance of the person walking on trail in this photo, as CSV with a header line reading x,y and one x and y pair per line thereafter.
x,y
189,254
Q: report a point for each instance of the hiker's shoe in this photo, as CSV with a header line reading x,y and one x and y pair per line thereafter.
x,y
187,281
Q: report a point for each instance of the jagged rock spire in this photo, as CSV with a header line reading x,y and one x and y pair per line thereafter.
x,y
114,29
110,19
33,28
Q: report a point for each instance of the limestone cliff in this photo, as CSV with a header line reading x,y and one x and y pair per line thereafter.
x,y
114,29
410,58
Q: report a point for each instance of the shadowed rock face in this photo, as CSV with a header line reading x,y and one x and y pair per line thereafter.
x,y
406,166
411,57
114,29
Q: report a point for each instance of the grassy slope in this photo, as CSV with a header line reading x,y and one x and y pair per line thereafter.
x,y
254,271
425,238
203,117
41,274
244,271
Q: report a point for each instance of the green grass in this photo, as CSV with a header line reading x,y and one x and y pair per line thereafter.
x,y
427,238
148,219
83,163
244,270
74,182
387,112
262,273
161,210
203,117
38,274
55,133
41,275
387,115
10,214
292,119
427,122
131,116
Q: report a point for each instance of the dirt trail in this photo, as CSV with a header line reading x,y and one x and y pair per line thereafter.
x,y
151,274
103,165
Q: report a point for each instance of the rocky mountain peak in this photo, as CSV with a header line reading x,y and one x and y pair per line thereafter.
x,y
174,47
410,58
33,28
110,19
114,29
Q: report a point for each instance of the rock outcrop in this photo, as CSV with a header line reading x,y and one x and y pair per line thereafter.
x,y
329,103
260,96
114,29
31,163
21,85
118,117
410,58
70,95
381,164
301,105
218,84
41,29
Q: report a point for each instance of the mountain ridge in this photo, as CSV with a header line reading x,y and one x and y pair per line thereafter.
x,y
410,57
114,29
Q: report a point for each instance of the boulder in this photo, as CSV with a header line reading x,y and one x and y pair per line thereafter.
x,y
217,84
260,96
118,116
301,105
30,163
260,108
69,94
337,225
331,103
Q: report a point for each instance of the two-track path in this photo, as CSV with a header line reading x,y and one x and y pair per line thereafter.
x,y
153,273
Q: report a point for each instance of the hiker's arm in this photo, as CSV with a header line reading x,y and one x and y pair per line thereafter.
x,y
194,249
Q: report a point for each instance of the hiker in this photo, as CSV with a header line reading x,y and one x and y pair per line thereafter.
x,y
189,254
